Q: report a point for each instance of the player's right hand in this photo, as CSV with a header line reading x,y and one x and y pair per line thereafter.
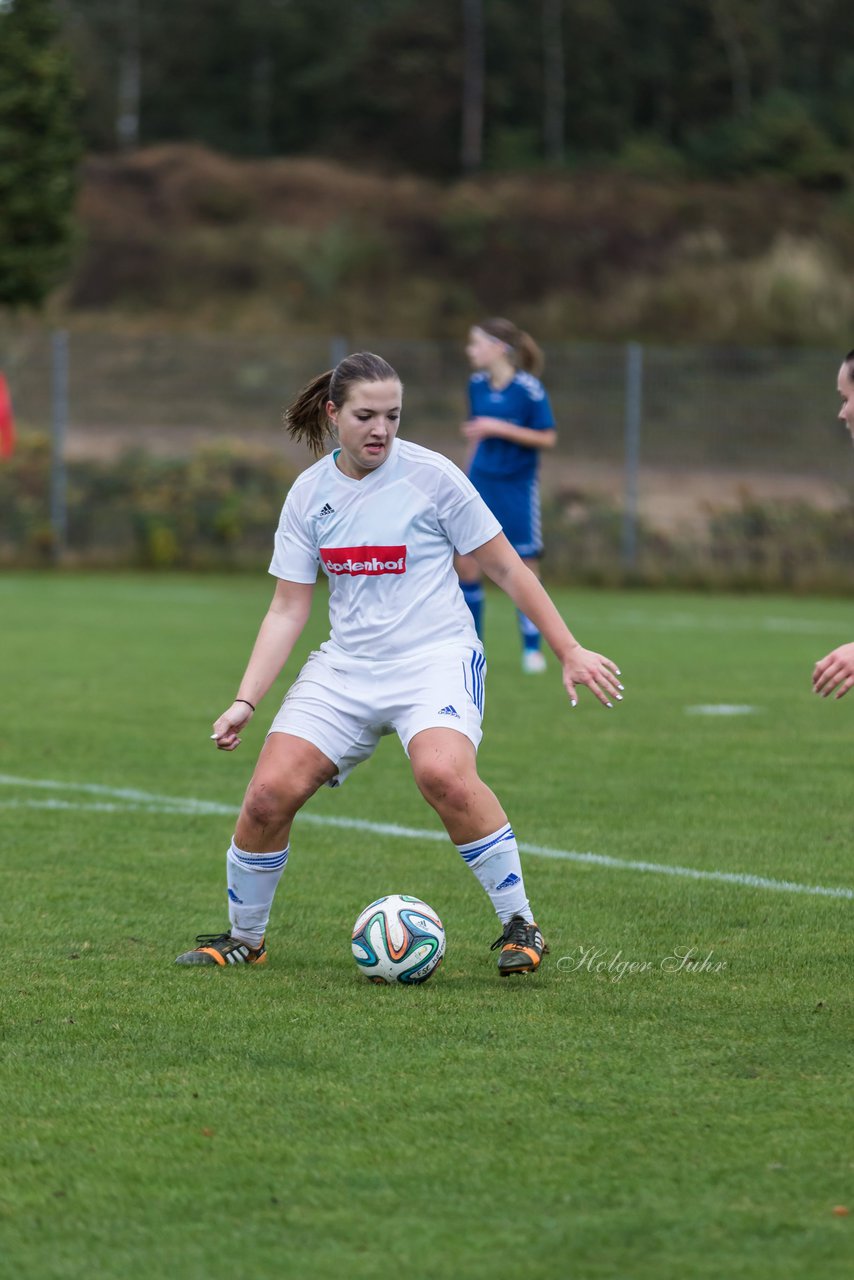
x,y
226,728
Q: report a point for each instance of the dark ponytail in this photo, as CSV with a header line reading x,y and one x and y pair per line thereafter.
x,y
306,419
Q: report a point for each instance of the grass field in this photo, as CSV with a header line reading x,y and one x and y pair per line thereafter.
x,y
669,1097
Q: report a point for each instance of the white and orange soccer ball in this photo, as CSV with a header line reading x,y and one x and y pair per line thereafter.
x,y
398,939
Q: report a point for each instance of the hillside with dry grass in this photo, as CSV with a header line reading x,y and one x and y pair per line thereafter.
x,y
182,236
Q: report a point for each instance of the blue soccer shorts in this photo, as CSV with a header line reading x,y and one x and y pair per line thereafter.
x,y
515,504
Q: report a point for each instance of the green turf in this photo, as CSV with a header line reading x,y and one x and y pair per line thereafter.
x,y
592,1121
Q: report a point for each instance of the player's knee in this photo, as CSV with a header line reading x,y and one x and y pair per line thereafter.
x,y
267,805
442,785
272,802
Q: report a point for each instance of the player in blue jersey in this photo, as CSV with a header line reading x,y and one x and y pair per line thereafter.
x,y
510,421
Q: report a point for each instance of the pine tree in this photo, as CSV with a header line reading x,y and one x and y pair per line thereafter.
x,y
39,151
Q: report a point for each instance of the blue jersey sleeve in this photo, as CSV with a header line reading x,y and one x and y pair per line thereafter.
x,y
540,416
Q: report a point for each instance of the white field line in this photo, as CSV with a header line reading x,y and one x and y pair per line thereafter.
x,y
686,621
145,802
721,709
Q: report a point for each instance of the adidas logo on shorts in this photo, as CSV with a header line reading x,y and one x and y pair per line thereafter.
x,y
449,711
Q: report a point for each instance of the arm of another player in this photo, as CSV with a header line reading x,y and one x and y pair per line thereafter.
x,y
834,672
499,561
281,628
480,428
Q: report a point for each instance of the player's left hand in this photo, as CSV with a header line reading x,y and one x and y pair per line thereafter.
x,y
598,673
835,672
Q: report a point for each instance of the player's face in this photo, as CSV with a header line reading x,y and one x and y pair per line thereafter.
x,y
845,386
482,351
366,425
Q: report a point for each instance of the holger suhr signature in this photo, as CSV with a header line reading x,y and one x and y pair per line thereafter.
x,y
599,960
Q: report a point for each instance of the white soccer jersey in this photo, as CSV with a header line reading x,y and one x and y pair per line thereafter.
x,y
386,544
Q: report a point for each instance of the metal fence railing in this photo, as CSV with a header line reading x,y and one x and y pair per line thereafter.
x,y
662,434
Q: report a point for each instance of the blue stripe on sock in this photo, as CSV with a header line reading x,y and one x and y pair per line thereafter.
x,y
470,853
261,862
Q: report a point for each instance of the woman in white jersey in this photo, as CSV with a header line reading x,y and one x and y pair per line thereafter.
x,y
381,517
510,421
834,673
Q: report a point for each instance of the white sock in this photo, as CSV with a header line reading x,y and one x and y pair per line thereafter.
x,y
252,881
495,861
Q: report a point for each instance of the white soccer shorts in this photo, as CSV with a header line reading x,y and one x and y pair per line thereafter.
x,y
345,713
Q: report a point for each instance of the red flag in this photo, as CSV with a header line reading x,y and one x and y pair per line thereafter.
x,y
7,421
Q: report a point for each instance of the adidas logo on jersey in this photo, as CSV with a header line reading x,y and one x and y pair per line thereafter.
x,y
326,510
449,711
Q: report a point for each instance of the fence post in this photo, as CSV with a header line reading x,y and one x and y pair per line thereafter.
x,y
59,427
337,350
633,414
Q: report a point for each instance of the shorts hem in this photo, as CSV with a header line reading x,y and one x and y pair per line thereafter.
x,y
475,738
304,737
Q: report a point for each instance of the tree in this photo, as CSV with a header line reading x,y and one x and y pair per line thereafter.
x,y
399,103
471,153
554,86
39,151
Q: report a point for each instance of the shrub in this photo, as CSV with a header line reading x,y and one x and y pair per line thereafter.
x,y
769,545
218,507
780,136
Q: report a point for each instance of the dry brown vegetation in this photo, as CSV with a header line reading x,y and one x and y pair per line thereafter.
x,y
184,235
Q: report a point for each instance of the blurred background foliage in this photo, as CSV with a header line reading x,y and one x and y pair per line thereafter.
x,y
322,171
177,234
216,508
598,168
40,146
712,87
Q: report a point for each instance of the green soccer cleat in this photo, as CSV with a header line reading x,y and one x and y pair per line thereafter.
x,y
222,949
522,947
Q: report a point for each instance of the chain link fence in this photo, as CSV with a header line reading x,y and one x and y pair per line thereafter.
x,y
660,442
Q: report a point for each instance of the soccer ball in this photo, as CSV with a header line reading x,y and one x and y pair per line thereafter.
x,y
398,939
